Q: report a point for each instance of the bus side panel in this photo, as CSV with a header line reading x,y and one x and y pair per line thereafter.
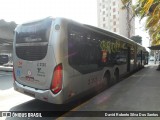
x,y
78,78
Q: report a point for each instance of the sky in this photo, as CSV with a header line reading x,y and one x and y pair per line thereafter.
x,y
83,11
140,30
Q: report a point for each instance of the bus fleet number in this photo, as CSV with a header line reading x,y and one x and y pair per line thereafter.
x,y
93,80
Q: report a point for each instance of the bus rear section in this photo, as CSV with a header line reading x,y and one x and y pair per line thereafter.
x,y
35,70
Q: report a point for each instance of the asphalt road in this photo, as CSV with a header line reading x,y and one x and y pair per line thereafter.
x,y
11,100
139,92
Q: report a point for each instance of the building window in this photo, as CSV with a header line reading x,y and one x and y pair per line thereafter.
x,y
103,12
103,6
114,16
114,9
114,3
104,25
104,19
114,23
114,29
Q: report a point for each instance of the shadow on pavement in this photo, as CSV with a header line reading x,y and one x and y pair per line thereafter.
x,y
40,106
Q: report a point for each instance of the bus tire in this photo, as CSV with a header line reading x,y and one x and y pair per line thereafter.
x,y
107,79
116,74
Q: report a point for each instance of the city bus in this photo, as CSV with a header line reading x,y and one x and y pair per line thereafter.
x,y
58,60
4,58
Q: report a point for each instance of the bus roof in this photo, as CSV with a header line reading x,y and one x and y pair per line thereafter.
x,y
109,33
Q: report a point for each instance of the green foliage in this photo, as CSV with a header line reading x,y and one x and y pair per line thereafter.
x,y
152,21
151,10
126,1
158,37
137,39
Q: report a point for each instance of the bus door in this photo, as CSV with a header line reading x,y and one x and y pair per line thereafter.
x,y
128,58
141,58
146,57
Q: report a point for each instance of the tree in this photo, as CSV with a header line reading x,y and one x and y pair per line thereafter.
x,y
151,10
137,39
129,18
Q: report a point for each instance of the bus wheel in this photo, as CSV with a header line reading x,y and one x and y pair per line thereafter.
x,y
116,74
107,78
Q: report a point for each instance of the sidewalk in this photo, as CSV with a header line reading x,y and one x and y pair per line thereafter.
x,y
139,92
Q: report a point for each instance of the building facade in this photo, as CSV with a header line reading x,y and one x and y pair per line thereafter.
x,y
112,17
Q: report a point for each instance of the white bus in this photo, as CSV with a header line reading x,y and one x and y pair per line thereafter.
x,y
58,60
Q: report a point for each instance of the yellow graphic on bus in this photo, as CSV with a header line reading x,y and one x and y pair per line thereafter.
x,y
112,47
